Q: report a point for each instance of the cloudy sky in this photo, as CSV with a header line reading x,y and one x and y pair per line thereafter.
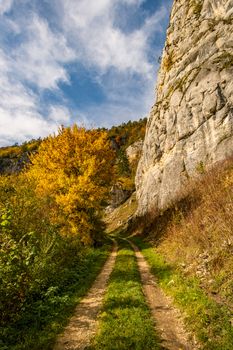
x,y
92,62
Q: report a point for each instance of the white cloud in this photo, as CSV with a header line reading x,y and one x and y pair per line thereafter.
x,y
100,43
77,14
38,59
59,114
122,104
41,57
5,6
20,118
116,56
16,126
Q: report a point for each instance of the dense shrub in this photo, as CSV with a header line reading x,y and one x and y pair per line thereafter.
x,y
62,190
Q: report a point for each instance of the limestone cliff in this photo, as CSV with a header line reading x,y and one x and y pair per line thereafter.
x,y
134,151
191,122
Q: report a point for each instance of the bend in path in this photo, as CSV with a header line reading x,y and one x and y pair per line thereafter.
x,y
83,324
168,320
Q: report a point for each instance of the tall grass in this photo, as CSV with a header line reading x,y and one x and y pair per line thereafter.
x,y
196,233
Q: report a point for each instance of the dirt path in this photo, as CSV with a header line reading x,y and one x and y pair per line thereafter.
x,y
168,319
82,326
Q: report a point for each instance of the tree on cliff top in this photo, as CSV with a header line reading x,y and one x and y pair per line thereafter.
x,y
74,170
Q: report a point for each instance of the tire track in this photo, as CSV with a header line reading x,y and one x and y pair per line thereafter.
x,y
83,324
168,320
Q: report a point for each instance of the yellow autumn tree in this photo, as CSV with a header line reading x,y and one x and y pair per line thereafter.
x,y
74,170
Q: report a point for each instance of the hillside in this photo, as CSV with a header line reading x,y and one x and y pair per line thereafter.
x,y
126,136
195,235
14,158
190,250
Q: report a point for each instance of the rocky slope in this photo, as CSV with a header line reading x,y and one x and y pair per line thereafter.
x,y
14,158
191,123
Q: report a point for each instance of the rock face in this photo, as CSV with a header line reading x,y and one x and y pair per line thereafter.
x,y
134,151
191,123
118,195
13,165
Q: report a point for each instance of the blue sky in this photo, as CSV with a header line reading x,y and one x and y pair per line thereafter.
x,y
90,62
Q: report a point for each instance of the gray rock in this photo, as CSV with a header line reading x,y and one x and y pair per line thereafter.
x,y
134,151
118,196
191,122
13,165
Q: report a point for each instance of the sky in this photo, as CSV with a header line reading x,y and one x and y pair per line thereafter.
x,y
90,62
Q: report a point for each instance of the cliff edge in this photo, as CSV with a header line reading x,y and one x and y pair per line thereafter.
x,y
191,123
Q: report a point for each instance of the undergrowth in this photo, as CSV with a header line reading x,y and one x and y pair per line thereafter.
x,y
46,310
125,322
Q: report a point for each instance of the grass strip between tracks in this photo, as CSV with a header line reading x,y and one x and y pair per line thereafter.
x,y
125,321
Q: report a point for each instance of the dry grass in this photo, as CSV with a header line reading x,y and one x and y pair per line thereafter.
x,y
196,234
208,224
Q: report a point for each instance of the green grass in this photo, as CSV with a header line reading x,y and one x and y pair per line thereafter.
x,y
125,322
210,321
46,314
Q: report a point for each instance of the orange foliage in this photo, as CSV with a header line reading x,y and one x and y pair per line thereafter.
x,y
74,169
